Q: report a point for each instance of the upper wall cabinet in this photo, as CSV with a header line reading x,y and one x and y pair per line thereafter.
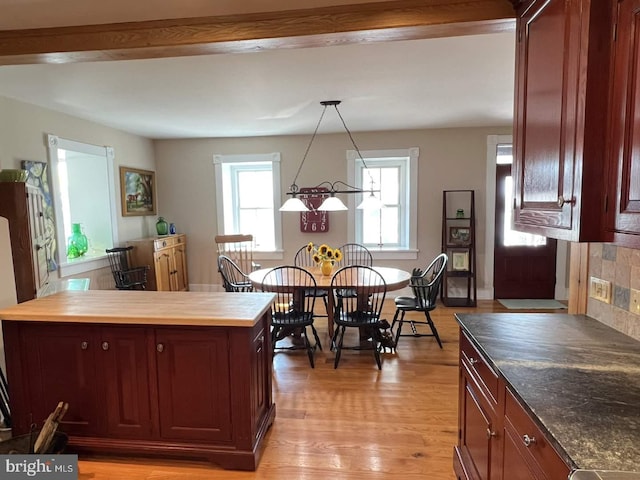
x,y
561,112
623,212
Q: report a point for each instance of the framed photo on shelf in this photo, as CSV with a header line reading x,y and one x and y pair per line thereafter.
x,y
460,261
137,191
459,235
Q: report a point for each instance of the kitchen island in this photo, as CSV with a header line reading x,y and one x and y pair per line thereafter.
x,y
180,374
546,394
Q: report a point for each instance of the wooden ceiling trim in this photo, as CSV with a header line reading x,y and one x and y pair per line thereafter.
x,y
371,22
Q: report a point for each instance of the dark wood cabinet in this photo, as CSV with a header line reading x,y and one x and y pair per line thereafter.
x,y
23,206
497,440
173,390
623,205
561,116
192,378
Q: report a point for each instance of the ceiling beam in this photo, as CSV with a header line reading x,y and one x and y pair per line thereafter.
x,y
369,22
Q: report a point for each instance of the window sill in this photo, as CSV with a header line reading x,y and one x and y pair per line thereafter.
x,y
83,264
408,254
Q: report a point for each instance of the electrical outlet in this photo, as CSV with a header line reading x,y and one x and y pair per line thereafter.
x,y
601,290
634,301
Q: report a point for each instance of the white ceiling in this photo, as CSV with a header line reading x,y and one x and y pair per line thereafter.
x,y
431,83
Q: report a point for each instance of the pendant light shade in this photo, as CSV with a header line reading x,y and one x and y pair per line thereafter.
x,y
332,204
294,204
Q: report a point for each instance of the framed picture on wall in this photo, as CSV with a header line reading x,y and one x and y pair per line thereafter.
x,y
138,191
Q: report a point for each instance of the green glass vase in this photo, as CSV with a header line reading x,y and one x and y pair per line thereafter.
x,y
162,227
77,243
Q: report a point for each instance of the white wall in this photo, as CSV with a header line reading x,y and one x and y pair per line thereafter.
x,y
22,137
449,159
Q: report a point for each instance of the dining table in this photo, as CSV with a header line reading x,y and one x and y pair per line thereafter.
x,y
394,278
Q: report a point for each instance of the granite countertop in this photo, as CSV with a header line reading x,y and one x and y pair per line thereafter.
x,y
578,377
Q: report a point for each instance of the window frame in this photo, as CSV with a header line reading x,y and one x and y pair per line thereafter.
x,y
85,263
409,200
274,158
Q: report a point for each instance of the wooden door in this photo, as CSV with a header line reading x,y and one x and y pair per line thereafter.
x,y
124,361
524,264
60,360
194,384
624,198
39,237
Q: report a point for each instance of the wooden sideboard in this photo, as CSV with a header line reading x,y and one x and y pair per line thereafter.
x,y
182,374
167,259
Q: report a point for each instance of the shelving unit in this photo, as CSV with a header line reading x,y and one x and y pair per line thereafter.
x,y
459,243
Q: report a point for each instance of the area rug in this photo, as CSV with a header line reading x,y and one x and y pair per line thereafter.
x,y
532,304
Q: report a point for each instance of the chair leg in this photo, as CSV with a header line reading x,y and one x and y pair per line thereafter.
x,y
338,346
400,322
310,349
434,330
376,349
315,335
274,334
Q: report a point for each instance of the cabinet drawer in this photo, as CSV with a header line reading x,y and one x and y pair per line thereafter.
x,y
166,242
531,442
478,367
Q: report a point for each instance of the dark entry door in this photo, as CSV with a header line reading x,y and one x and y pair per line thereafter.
x,y
524,264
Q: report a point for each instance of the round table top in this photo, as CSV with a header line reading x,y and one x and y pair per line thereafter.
x,y
393,277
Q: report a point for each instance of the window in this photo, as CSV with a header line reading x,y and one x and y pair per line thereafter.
x,y
247,191
83,192
394,173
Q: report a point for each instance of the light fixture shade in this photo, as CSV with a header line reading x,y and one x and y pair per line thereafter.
x,y
332,204
370,202
294,204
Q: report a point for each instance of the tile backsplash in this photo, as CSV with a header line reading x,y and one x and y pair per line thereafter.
x,y
620,266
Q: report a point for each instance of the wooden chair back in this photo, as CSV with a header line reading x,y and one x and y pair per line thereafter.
x,y
238,248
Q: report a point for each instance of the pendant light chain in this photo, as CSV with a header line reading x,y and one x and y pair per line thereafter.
x,y
353,142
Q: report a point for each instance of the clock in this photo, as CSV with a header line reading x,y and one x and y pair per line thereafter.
x,y
314,221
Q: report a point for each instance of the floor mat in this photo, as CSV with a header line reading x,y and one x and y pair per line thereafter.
x,y
532,304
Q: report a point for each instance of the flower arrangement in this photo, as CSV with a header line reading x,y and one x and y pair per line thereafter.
x,y
324,253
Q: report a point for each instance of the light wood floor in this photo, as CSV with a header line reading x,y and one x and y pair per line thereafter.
x,y
355,422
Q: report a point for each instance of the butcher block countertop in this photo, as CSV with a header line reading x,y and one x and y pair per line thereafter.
x,y
145,307
578,377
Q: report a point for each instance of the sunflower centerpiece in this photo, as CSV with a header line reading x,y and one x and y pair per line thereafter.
x,y
325,256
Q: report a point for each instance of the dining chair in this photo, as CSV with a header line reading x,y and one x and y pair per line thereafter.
x,y
304,259
361,310
125,276
238,248
425,285
233,279
356,254
292,310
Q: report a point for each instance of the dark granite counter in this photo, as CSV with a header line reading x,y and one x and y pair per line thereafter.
x,y
578,377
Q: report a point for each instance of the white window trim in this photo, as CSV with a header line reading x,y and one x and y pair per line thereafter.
x,y
274,158
86,263
410,253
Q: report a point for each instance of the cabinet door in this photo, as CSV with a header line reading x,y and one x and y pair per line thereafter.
x,y
561,107
477,430
624,199
180,268
260,376
61,365
39,237
193,384
123,358
514,462
163,268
